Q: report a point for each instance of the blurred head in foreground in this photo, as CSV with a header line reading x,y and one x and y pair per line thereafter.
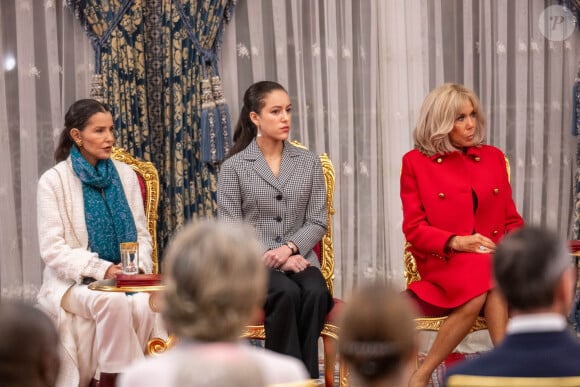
x,y
534,272
28,346
214,281
377,337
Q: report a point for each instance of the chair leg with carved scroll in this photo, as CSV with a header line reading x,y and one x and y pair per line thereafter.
x,y
330,350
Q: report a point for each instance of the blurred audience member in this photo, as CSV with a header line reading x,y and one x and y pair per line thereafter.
x,y
218,365
28,347
377,337
215,282
533,271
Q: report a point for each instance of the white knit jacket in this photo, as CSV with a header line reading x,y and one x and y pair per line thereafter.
x,y
63,241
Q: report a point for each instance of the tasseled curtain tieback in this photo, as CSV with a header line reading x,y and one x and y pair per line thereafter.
x,y
215,121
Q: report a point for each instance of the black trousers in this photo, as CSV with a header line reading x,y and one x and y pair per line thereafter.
x,y
296,306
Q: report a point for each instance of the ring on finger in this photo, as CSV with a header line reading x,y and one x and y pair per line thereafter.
x,y
481,248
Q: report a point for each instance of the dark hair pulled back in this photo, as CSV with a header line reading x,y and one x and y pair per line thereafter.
x,y
77,116
254,97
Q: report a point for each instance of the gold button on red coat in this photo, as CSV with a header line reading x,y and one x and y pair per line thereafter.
x,y
495,232
476,158
441,195
495,191
439,160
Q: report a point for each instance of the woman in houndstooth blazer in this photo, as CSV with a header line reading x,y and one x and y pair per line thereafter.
x,y
279,189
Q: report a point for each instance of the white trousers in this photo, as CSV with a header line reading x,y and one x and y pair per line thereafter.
x,y
123,324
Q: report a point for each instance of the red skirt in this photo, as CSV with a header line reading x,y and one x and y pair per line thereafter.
x,y
447,284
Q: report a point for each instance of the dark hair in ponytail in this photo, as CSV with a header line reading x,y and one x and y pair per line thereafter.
x,y
254,97
77,116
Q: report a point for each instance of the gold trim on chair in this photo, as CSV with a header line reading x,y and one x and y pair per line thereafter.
x,y
149,174
497,381
434,323
411,272
429,323
254,332
304,383
327,246
156,346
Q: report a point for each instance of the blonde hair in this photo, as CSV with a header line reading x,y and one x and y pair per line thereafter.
x,y
437,118
214,281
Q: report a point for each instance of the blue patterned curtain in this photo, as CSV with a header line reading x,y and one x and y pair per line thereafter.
x,y
116,30
574,7
576,132
153,56
192,30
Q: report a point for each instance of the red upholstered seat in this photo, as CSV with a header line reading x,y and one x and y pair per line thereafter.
x,y
143,189
333,315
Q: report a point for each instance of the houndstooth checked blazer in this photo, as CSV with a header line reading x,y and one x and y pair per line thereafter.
x,y
290,207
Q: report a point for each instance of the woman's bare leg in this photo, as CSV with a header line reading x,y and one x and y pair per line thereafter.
x,y
496,316
452,331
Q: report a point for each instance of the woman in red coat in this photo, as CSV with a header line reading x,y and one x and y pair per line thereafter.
x,y
457,204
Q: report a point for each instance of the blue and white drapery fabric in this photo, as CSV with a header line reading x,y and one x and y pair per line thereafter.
x,y
215,125
154,57
576,131
575,311
574,7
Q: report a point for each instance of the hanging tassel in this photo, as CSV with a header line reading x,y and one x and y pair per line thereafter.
x,y
209,119
224,136
96,90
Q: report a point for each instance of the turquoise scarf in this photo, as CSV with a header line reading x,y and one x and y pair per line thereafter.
x,y
107,214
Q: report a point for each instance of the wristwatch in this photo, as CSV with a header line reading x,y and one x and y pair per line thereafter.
x,y
293,247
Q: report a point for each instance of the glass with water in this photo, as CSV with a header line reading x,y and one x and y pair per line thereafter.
x,y
130,257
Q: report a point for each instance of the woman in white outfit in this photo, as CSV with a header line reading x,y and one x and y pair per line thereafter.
x,y
87,205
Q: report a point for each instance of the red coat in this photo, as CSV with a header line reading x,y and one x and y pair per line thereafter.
x,y
438,202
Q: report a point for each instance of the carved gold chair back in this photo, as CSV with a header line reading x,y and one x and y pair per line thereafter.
x,y
148,176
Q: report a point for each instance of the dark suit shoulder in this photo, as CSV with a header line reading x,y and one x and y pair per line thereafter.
x,y
540,354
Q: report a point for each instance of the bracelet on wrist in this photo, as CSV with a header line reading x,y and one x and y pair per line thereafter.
x,y
293,247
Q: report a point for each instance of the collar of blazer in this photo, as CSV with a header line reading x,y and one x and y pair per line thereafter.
x,y
287,167
253,152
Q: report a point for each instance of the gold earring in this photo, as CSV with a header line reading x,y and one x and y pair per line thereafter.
x,y
80,143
